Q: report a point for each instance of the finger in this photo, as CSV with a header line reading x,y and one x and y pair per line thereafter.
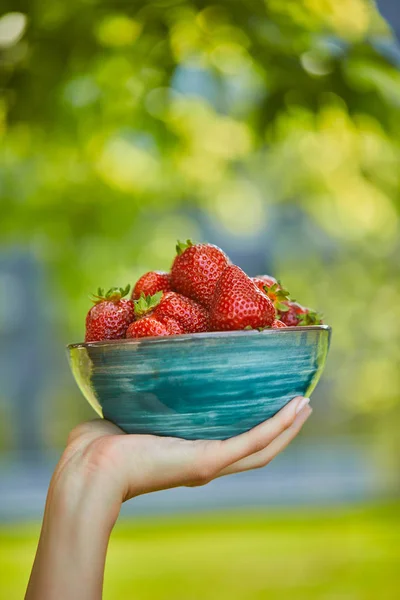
x,y
265,456
255,440
169,462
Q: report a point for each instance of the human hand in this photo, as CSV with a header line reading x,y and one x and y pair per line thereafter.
x,y
102,467
137,464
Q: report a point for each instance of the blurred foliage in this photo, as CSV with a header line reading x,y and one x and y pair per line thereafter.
x,y
121,122
350,553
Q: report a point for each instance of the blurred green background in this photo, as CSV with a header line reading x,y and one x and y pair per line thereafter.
x,y
271,128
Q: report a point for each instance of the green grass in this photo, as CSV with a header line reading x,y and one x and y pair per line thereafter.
x,y
338,554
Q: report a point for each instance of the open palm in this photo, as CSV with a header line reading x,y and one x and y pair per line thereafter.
x,y
138,464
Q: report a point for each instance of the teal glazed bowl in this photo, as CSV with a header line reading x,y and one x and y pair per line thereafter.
x,y
199,386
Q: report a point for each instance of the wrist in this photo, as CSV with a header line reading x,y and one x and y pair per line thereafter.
x,y
79,516
80,492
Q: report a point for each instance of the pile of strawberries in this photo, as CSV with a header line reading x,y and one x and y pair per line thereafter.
x,y
203,292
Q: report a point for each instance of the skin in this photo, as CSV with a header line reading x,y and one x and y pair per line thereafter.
x,y
102,467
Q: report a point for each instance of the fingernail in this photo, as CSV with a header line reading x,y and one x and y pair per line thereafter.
x,y
303,402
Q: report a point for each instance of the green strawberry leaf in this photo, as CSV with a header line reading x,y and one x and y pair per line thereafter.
x,y
310,318
248,327
145,304
303,319
114,294
282,307
282,295
125,292
182,246
117,291
278,295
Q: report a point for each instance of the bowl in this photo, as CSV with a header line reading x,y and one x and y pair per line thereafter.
x,y
199,386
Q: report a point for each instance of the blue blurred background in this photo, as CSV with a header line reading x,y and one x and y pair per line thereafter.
x,y
270,128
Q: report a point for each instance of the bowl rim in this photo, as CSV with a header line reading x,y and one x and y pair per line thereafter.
x,y
184,337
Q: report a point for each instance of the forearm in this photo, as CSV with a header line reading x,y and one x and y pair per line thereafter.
x,y
70,559
101,467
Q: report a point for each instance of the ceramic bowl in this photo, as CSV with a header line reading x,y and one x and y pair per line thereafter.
x,y
199,386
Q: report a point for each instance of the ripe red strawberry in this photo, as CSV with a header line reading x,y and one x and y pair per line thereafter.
x,y
264,280
238,303
152,282
278,324
151,326
293,314
109,318
191,316
196,269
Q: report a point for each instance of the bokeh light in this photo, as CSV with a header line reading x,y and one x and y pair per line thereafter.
x,y
270,128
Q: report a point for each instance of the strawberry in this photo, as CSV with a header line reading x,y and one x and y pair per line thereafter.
x,y
151,283
264,280
191,316
150,326
273,289
109,318
196,269
238,303
294,314
278,324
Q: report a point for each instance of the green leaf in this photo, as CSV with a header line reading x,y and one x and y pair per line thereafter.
x,y
248,327
310,318
303,319
140,305
146,304
125,292
278,295
182,246
114,294
111,292
282,295
282,307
